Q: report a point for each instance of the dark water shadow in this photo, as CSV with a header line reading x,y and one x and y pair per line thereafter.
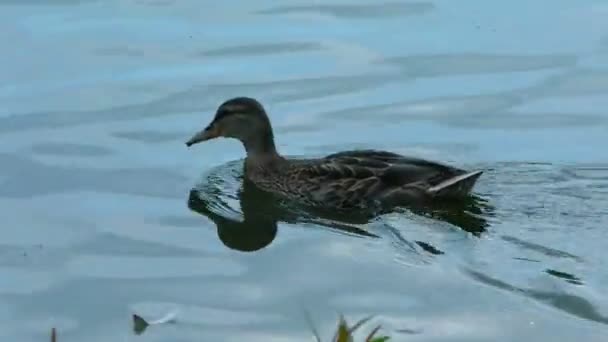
x,y
568,303
148,136
262,49
471,63
255,225
358,11
535,247
70,149
568,277
469,214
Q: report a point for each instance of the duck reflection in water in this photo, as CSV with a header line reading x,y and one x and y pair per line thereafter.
x,y
261,212
257,226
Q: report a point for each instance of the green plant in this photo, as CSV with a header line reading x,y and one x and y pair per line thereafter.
x,y
344,333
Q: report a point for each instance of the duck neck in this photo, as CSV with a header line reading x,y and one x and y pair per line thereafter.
x,y
261,146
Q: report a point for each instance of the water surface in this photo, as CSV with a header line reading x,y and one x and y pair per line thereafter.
x,y
99,222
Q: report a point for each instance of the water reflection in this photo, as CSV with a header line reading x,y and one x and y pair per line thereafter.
x,y
255,226
570,278
255,232
93,170
569,303
386,9
468,215
195,99
463,64
261,213
262,49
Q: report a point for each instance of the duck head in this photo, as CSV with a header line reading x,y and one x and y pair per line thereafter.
x,y
241,118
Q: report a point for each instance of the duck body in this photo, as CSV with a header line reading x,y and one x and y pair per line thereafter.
x,y
360,179
354,179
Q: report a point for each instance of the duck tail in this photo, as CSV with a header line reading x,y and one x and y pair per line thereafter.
x,y
458,186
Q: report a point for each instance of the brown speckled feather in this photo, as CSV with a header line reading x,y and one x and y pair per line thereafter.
x,y
353,179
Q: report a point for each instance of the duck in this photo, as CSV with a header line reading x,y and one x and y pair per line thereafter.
x,y
344,180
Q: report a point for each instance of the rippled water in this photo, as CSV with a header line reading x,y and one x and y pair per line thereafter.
x,y
106,213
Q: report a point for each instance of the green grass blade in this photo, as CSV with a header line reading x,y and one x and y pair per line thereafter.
x,y
360,323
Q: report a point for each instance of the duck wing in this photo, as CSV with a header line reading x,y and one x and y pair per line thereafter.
x,y
410,175
351,179
395,169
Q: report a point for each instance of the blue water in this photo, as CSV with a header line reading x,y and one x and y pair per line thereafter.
x,y
98,98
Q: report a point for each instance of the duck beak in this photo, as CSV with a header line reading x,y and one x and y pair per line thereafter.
x,y
208,133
